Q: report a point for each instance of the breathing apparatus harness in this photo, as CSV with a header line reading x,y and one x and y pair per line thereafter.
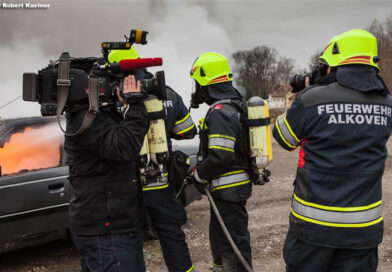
x,y
154,153
260,175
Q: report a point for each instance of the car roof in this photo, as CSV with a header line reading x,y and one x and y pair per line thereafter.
x,y
28,120
7,124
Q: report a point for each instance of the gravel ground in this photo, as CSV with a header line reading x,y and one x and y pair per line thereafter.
x,y
268,210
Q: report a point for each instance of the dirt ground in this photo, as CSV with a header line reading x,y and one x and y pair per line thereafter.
x,y
268,211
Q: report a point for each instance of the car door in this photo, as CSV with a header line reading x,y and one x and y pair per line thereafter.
x,y
34,190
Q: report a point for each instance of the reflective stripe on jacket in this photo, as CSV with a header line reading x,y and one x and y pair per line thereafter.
x,y
340,217
183,125
230,179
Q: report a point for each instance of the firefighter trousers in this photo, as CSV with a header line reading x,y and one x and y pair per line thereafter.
x,y
235,217
300,256
167,216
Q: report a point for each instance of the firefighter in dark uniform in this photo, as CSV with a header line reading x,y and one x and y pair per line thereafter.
x,y
342,124
166,213
106,209
223,159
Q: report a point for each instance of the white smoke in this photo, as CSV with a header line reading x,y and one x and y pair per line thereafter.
x,y
178,32
19,58
179,37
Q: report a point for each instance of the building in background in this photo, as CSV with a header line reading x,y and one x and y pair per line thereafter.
x,y
281,98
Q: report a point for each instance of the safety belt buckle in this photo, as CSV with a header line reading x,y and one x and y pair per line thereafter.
x,y
63,82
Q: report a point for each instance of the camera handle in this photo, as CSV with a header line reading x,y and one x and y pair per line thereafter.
x,y
63,84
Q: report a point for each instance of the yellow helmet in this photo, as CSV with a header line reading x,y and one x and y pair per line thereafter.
x,y
351,47
118,55
211,68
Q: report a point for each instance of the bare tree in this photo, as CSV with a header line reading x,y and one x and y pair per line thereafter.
x,y
259,71
284,69
383,32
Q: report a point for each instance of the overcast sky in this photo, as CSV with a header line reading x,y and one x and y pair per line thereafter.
x,y
179,32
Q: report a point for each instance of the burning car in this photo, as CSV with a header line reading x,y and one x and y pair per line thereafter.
x,y
34,190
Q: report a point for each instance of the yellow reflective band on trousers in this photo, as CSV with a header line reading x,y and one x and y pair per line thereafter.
x,y
156,185
230,179
183,125
217,265
285,132
343,217
190,269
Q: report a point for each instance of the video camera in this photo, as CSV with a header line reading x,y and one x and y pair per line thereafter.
x,y
297,81
43,86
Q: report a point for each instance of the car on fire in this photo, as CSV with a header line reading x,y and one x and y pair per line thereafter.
x,y
34,189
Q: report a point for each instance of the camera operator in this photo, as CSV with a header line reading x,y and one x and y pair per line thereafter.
x,y
106,213
342,123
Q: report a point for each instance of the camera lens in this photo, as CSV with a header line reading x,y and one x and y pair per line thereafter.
x,y
297,82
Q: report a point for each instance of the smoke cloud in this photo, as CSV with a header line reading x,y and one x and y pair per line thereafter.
x,y
178,32
180,36
20,59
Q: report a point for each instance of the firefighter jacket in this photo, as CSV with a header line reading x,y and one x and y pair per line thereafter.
x,y
103,172
223,159
342,129
179,125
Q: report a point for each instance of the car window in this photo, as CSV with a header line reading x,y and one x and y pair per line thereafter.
x,y
31,148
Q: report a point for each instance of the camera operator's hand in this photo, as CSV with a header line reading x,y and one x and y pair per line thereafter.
x,y
130,86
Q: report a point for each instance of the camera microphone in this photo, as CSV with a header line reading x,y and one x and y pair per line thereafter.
x,y
132,64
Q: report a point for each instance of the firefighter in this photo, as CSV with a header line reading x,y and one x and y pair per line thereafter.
x,y
341,124
166,213
223,159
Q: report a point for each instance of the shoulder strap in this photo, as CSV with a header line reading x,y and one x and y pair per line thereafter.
x,y
244,119
225,101
63,84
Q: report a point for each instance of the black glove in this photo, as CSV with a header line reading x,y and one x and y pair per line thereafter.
x,y
200,184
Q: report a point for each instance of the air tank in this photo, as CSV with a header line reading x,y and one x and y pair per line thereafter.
x,y
157,141
259,136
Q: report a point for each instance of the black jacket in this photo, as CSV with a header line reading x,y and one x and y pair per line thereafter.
x,y
103,173
342,128
224,152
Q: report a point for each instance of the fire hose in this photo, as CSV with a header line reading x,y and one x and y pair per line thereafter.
x,y
221,223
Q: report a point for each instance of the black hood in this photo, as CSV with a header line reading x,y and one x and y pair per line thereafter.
x,y
362,78
223,91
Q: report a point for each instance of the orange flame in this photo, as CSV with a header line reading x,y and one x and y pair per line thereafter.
x,y
33,149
